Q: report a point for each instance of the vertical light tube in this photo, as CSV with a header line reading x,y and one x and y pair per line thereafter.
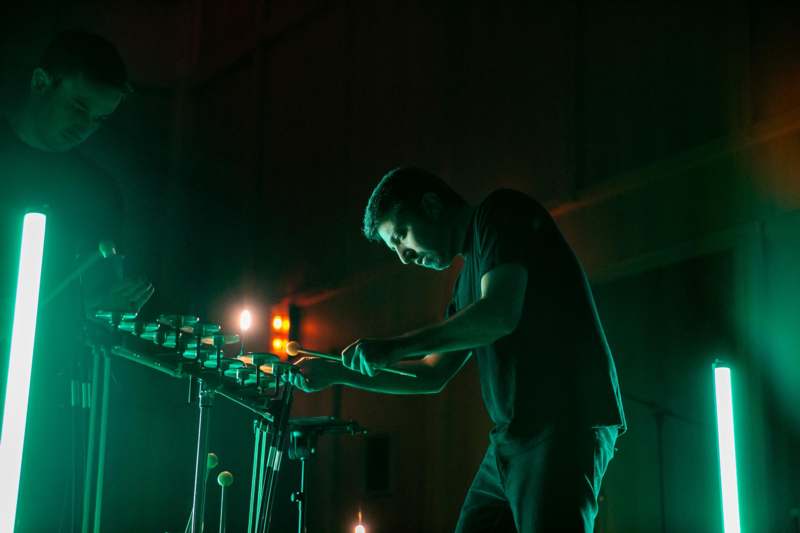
x,y
727,448
20,363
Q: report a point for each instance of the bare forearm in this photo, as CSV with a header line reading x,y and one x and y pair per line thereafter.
x,y
428,381
476,325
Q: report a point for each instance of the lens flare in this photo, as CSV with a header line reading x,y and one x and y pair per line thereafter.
x,y
245,320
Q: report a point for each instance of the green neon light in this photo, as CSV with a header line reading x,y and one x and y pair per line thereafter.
x,y
19,366
727,449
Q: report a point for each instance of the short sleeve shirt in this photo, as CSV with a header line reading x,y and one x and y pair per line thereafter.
x,y
83,208
555,368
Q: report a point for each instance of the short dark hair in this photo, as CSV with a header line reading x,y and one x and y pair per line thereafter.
x,y
404,187
80,52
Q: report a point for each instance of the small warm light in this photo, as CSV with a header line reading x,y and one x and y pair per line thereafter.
x,y
245,320
277,344
285,325
277,323
360,527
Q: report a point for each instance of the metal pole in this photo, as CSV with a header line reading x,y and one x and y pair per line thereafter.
x,y
201,458
301,500
258,461
277,446
101,451
90,453
222,512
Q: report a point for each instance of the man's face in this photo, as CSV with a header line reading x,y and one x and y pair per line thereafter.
x,y
418,240
70,109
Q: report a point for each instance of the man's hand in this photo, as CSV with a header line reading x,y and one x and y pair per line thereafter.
x,y
313,375
368,356
125,296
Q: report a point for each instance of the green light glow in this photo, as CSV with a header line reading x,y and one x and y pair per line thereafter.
x,y
19,366
727,449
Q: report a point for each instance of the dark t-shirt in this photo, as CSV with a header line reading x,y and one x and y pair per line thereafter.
x,y
555,369
83,208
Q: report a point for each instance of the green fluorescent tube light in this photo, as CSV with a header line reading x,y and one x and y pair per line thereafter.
x,y
20,362
727,448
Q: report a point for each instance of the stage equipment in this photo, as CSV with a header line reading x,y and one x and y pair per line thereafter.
x,y
183,347
303,435
280,329
294,348
727,447
20,362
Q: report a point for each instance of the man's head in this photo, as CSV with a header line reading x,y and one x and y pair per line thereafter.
x,y
80,81
413,211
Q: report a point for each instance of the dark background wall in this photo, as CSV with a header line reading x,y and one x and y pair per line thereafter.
x,y
662,135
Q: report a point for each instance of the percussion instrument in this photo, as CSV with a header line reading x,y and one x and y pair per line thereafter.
x,y
182,346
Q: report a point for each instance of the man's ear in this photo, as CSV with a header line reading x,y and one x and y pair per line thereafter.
x,y
432,205
41,81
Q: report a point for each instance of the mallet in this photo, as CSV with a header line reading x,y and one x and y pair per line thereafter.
x,y
293,348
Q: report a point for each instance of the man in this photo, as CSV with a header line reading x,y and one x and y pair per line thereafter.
x,y
523,306
79,83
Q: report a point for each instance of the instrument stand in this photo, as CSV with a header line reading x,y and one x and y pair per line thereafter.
x,y
302,445
303,435
94,467
206,402
270,443
299,497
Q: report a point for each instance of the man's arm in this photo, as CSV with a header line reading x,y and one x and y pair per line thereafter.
x,y
433,372
494,315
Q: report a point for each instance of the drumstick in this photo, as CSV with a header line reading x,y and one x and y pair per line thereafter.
x,y
293,348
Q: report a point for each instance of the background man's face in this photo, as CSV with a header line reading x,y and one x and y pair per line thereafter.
x,y
69,110
417,240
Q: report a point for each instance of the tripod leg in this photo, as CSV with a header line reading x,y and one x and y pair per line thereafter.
x,y
101,448
277,446
256,490
94,411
